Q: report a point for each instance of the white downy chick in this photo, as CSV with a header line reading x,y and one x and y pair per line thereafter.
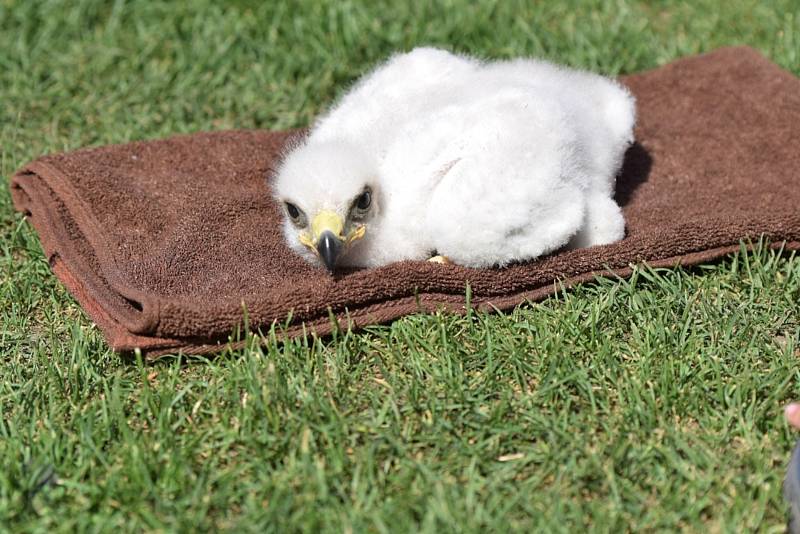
x,y
485,163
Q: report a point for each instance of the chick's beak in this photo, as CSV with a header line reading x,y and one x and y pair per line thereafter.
x,y
329,247
326,237
326,228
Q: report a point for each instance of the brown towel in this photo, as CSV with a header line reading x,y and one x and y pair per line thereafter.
x,y
168,243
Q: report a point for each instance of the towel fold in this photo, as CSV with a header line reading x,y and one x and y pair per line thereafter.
x,y
171,245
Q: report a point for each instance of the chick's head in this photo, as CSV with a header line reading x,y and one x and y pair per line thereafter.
x,y
329,196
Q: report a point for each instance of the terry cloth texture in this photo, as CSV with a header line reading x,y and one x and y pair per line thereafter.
x,y
167,243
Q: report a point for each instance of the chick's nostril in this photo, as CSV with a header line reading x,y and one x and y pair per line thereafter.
x,y
329,247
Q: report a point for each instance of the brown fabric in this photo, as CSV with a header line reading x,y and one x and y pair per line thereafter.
x,y
167,243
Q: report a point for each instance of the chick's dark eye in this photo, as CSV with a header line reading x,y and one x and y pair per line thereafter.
x,y
292,210
364,201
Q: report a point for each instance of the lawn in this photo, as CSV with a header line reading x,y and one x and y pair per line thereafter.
x,y
653,403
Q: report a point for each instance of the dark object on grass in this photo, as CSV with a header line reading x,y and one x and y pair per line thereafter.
x,y
791,490
791,483
166,243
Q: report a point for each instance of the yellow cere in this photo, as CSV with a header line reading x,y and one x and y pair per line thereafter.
x,y
327,220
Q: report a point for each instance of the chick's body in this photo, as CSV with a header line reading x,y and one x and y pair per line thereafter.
x,y
485,163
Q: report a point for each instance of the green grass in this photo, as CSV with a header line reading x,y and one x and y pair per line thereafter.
x,y
648,404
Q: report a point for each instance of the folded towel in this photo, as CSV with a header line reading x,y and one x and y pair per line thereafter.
x,y
169,245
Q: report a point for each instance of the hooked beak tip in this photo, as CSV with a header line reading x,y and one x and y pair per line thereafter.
x,y
329,247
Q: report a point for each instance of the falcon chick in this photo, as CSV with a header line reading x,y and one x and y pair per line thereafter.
x,y
485,163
